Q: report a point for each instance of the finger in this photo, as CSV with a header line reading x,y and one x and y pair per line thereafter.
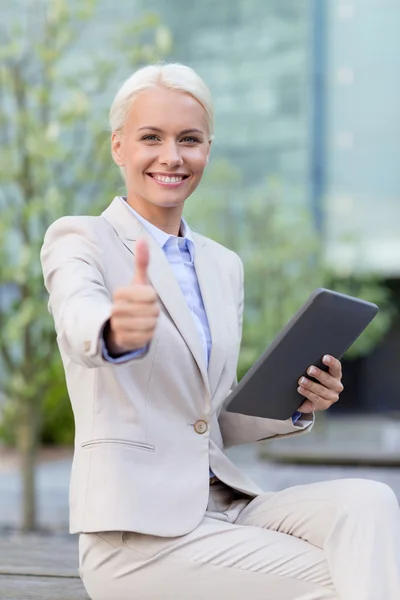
x,y
335,366
123,309
318,389
333,383
134,340
135,294
138,324
306,407
317,402
142,256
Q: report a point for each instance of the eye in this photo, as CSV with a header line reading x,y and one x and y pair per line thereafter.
x,y
151,137
190,139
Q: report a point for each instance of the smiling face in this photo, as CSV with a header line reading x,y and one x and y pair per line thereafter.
x,y
164,148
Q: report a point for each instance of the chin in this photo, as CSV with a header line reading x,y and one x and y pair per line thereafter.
x,y
169,202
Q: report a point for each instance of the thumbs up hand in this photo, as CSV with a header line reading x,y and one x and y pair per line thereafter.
x,y
135,309
141,263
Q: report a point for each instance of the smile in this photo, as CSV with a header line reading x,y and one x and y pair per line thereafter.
x,y
168,180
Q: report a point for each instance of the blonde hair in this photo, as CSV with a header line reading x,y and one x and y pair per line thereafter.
x,y
173,76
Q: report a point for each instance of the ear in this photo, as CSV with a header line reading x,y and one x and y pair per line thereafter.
x,y
117,149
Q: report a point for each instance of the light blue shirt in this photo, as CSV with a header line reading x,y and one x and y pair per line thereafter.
x,y
180,252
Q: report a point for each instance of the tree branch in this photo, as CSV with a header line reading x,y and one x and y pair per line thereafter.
x,y
46,79
6,356
25,176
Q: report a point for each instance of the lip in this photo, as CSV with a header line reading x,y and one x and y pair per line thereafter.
x,y
170,184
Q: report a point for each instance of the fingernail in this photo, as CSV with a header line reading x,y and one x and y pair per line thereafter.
x,y
300,389
303,380
327,358
312,371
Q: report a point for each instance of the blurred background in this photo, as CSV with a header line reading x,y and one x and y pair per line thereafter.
x,y
303,183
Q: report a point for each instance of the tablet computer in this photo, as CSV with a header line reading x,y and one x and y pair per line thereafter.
x,y
327,323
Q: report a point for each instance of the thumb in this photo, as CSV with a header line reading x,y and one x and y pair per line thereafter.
x,y
142,256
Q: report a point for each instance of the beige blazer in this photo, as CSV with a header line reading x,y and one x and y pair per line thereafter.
x,y
147,430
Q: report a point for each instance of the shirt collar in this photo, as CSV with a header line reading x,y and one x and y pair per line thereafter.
x,y
160,236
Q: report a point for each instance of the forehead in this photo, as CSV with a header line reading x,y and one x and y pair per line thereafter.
x,y
168,110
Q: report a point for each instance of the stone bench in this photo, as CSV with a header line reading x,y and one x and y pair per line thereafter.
x,y
40,567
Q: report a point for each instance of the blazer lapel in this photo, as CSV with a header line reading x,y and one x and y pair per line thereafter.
x,y
210,283
129,229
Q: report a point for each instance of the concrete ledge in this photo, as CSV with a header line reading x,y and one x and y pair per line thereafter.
x,y
349,441
344,458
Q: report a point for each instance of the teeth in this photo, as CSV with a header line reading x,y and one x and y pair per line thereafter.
x,y
165,179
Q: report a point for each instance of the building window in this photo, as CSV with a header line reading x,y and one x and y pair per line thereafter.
x,y
346,10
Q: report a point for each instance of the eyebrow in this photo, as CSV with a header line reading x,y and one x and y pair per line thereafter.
x,y
192,130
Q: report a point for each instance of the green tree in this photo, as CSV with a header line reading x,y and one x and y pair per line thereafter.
x,y
55,160
282,255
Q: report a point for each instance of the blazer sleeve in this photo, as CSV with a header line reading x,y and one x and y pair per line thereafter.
x,y
79,301
239,429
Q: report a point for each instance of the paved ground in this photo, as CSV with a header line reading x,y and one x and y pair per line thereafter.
x,y
14,587
39,567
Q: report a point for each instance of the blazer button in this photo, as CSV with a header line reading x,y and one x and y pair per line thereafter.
x,y
200,427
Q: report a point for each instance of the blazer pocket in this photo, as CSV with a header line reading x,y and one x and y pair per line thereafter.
x,y
117,442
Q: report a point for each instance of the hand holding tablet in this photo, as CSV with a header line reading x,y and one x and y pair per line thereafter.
x,y
327,324
321,389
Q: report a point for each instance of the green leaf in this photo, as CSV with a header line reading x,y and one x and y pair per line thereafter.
x,y
163,39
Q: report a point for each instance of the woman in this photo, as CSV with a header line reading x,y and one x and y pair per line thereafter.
x,y
148,317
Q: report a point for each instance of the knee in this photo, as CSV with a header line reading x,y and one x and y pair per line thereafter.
x,y
366,494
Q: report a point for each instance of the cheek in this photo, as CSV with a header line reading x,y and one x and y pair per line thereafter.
x,y
197,162
139,159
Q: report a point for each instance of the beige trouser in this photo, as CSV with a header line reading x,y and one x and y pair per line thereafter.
x,y
323,541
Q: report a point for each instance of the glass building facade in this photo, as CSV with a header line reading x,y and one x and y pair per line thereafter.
x,y
255,57
363,136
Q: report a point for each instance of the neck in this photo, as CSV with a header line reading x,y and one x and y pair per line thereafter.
x,y
167,219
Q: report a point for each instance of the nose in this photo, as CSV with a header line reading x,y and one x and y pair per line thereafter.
x,y
170,155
